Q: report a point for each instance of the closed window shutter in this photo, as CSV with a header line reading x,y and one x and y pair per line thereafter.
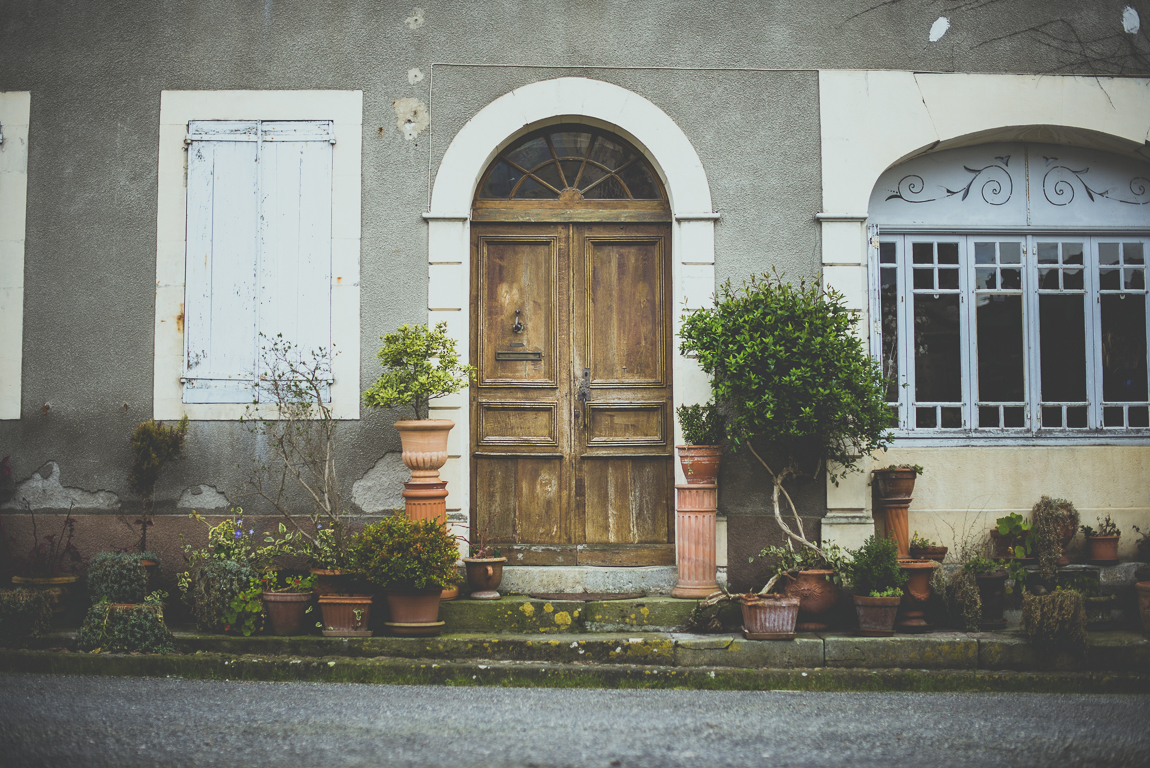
x,y
258,249
222,262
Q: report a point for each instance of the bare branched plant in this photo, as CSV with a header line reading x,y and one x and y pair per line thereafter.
x,y
292,412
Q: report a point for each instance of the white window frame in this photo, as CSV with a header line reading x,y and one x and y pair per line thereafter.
x,y
177,108
1033,431
15,109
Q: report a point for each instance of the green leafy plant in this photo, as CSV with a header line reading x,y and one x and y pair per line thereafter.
x,y
1055,621
138,628
293,416
211,587
274,581
117,577
1016,530
874,568
1051,517
24,614
793,377
399,553
921,542
154,447
888,592
245,612
789,560
1106,527
982,565
702,424
419,366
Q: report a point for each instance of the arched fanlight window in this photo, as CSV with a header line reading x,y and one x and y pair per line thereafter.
x,y
571,164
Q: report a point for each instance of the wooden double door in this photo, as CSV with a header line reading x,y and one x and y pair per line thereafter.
x,y
571,409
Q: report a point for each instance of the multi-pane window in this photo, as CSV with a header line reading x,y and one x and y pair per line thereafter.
x,y
996,334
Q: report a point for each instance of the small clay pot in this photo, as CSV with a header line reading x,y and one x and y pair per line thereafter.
x,y
769,617
414,612
484,575
346,615
700,463
286,611
817,597
1103,549
992,592
876,615
937,554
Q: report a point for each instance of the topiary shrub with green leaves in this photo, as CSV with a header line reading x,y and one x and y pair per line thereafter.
x,y
791,373
24,614
702,424
127,628
212,586
117,577
419,365
873,569
399,553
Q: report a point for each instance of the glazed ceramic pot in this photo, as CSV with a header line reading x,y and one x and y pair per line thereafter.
x,y
876,615
700,463
484,575
414,611
769,617
286,611
817,596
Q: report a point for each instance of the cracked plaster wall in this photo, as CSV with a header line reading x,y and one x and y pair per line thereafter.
x,y
95,71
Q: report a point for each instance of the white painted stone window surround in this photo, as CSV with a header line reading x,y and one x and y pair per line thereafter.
x,y
563,100
343,110
14,112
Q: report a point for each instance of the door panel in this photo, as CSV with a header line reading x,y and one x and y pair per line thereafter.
x,y
569,479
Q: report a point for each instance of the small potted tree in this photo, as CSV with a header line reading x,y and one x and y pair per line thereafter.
x,y
810,582
703,428
154,447
1102,542
799,390
876,581
412,561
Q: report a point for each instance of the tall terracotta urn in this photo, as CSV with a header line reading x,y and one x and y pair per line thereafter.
x,y
912,607
696,507
424,444
893,490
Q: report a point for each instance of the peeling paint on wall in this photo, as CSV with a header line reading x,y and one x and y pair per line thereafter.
x,y
939,28
43,490
411,117
380,487
415,20
1131,21
203,497
414,75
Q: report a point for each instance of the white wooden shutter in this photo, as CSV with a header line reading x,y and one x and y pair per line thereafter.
x,y
295,234
258,249
222,262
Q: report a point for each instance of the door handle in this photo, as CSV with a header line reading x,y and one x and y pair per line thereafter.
x,y
583,394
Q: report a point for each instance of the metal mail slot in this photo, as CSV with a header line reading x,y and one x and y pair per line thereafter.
x,y
518,355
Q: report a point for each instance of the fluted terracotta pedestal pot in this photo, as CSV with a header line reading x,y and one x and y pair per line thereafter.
x,y
769,617
893,491
424,444
912,607
817,597
696,508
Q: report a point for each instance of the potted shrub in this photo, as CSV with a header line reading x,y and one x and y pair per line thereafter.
x,y
154,447
483,565
813,576
893,490
990,577
286,601
922,548
412,561
703,428
1055,523
876,582
789,368
1055,621
50,563
117,577
1102,542
123,618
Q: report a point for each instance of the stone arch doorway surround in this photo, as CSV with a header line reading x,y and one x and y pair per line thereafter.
x,y
563,100
872,120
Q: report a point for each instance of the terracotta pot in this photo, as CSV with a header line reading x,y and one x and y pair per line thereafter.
x,y
345,615
992,592
876,615
894,483
414,612
424,444
696,507
937,554
817,597
912,606
1143,590
286,611
892,493
1103,549
700,463
484,575
59,588
330,581
769,617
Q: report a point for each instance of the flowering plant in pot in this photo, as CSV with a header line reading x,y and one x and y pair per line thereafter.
x,y
703,431
876,581
412,561
799,390
1102,541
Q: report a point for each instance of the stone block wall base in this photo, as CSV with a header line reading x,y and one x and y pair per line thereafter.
x,y
849,531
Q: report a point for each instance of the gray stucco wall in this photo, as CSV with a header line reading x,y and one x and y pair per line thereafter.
x,y
95,72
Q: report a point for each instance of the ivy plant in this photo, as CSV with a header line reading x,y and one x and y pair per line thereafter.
x,y
419,364
788,367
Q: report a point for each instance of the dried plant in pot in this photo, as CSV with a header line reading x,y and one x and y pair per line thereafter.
x,y
484,564
50,563
876,582
1102,542
703,432
1055,522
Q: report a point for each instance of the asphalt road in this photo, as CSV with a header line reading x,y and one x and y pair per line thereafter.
x,y
92,721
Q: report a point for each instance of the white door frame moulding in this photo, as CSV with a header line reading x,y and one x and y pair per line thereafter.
x,y
872,120
15,110
567,99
